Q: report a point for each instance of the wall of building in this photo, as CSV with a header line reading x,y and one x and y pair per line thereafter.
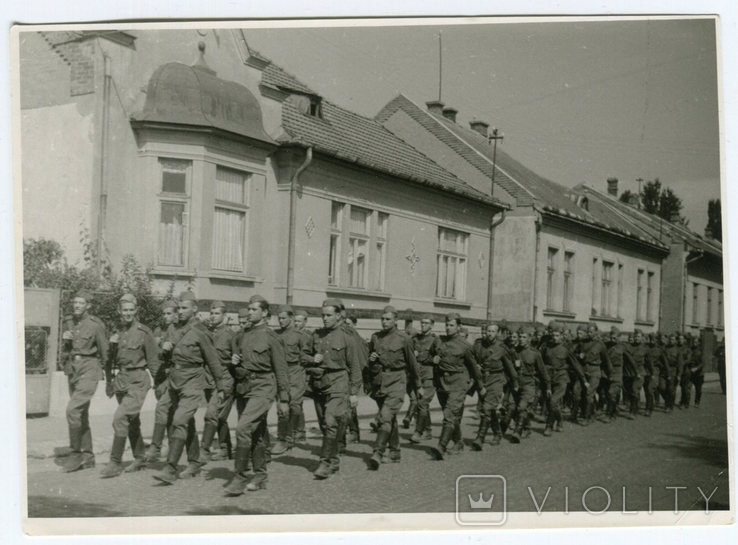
x,y
704,304
672,288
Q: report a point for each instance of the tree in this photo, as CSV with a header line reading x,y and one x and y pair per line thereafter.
x,y
715,219
651,196
662,202
626,195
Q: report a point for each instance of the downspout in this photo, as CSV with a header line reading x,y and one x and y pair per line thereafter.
x,y
492,227
103,212
684,290
293,226
534,306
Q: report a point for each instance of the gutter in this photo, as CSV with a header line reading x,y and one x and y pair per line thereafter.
x,y
292,226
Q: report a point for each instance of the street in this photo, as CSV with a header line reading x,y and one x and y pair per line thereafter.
x,y
687,448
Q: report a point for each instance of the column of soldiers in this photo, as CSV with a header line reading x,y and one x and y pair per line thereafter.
x,y
518,375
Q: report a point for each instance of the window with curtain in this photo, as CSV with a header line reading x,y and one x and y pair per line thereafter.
x,y
606,302
359,233
335,244
568,281
551,271
649,296
230,220
640,289
380,260
452,259
174,203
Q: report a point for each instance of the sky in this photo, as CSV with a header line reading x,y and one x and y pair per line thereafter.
x,y
577,102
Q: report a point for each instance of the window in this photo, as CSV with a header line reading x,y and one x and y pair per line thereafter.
x,y
335,246
621,272
605,307
380,260
174,202
452,257
594,287
552,252
639,294
359,233
649,296
229,219
720,309
695,309
568,281
709,306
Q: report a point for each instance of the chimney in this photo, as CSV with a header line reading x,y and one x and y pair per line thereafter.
x,y
708,232
479,126
612,186
450,114
674,218
633,200
435,107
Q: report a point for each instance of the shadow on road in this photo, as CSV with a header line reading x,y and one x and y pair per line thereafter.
x,y
703,449
53,507
222,510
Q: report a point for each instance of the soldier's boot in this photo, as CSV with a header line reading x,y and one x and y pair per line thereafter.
x,y
154,450
192,470
478,443
439,451
633,412
504,424
63,452
573,417
324,469
241,465
169,473
225,452
259,482
379,447
138,448
526,425
281,446
81,458
515,437
550,423
208,434
354,431
339,446
115,466
300,435
417,437
496,432
394,445
458,440
268,447
411,413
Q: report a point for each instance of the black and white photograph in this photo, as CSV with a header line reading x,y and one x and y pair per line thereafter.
x,y
466,273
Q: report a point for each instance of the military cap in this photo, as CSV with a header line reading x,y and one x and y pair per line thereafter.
x,y
84,294
287,309
243,313
257,299
540,329
637,331
187,296
581,327
127,298
301,312
388,309
555,326
614,331
409,313
528,330
217,304
169,303
503,324
454,316
593,326
552,324
340,304
333,303
427,317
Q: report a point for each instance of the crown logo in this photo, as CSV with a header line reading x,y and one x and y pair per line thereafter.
x,y
480,503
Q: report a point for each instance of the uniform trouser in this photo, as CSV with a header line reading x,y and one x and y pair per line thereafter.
x,y
698,380
296,375
667,388
185,404
586,400
412,408
686,386
218,411
614,390
131,387
83,383
331,396
651,387
251,430
559,384
722,375
388,407
429,389
635,385
451,389
494,383
602,393
526,399
628,389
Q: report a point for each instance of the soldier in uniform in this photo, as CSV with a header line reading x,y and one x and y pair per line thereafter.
x,y
243,321
491,355
85,347
593,358
300,321
424,345
362,353
562,365
511,339
685,347
412,409
216,416
335,375
621,361
191,350
134,347
454,363
697,370
163,413
720,357
635,377
657,354
261,371
531,367
293,340
672,372
392,363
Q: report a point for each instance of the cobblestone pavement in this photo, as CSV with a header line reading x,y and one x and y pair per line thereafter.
x,y
687,448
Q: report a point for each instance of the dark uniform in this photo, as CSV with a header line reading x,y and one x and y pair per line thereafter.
x,y
531,368
697,369
685,382
456,364
332,382
622,362
720,357
136,351
495,365
593,357
412,408
261,376
562,364
394,366
289,423
362,353
83,355
634,379
193,349
425,346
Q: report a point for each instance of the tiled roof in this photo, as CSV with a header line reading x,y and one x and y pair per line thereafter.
x,y
275,76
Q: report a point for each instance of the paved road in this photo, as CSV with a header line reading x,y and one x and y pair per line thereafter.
x,y
686,449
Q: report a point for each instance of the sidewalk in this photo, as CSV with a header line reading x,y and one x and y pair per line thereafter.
x,y
46,433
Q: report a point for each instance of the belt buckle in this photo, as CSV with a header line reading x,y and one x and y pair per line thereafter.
x,y
77,357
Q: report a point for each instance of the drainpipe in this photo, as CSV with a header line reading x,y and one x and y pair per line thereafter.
x,y
492,227
293,227
684,289
534,301
103,212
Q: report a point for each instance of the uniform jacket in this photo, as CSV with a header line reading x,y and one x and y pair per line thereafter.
x,y
339,353
531,367
193,349
137,348
89,338
559,358
456,355
262,351
493,357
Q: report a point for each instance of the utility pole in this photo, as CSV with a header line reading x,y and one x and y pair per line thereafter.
x,y
640,181
495,136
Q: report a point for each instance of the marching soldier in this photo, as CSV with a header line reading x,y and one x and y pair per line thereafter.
x,y
492,357
216,416
163,412
561,365
672,374
635,377
261,371
593,358
335,377
424,344
685,347
85,347
657,354
191,350
362,354
412,409
531,367
300,321
621,361
392,362
454,363
134,348
697,370
288,422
